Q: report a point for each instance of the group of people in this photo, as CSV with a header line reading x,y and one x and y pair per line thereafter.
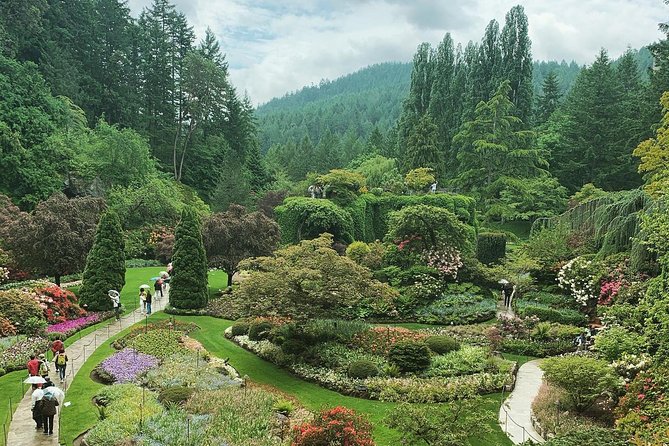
x,y
145,298
44,398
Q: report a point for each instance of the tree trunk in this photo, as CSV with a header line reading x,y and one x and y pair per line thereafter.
x,y
230,274
57,279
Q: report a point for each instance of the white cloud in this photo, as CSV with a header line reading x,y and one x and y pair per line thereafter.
x,y
278,46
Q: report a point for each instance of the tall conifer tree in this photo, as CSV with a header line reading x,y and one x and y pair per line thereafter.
x,y
188,286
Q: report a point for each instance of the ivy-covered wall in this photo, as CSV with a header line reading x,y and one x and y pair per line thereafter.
x,y
365,219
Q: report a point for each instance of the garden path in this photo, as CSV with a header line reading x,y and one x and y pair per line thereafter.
x,y
22,430
516,412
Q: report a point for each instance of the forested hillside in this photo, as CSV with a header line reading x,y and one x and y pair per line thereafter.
x,y
354,104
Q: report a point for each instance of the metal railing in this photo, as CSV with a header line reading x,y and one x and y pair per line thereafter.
x,y
507,418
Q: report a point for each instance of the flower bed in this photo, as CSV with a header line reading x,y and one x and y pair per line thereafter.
x,y
379,340
16,356
414,388
125,366
188,370
68,328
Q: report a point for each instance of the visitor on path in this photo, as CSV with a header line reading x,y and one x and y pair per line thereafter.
x,y
48,383
36,407
61,363
143,291
43,366
147,299
581,342
116,302
433,188
49,403
33,366
169,268
158,287
508,291
56,346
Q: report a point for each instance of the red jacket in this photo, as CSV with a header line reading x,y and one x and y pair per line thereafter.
x,y
33,367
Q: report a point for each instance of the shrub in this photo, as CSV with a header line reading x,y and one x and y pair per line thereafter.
x,y
58,304
410,356
17,306
240,328
465,361
490,247
259,330
105,264
175,395
141,263
459,308
187,370
593,435
584,379
302,218
362,369
442,344
357,251
614,342
379,340
334,426
16,356
34,326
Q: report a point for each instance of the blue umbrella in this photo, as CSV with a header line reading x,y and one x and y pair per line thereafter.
x,y
155,278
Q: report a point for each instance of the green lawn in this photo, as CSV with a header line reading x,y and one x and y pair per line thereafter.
x,y
81,415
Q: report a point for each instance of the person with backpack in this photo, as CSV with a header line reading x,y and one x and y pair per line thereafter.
x,y
43,366
61,363
36,407
48,406
158,287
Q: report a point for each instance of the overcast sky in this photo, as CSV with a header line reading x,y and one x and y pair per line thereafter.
x,y
277,46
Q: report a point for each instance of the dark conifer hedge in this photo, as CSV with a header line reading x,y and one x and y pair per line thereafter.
x,y
105,264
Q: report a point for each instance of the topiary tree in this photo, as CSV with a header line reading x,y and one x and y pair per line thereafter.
x,y
105,264
410,356
490,247
362,369
419,179
189,284
442,344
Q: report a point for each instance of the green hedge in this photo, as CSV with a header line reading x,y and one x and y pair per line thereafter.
x,y
490,247
305,218
365,219
545,313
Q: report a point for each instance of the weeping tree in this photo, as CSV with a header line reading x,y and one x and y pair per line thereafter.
x,y
189,284
105,264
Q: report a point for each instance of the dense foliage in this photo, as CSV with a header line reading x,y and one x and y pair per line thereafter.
x,y
188,286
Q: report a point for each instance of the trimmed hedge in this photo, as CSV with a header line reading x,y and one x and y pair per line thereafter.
x,y
362,369
410,356
545,313
490,247
442,344
364,219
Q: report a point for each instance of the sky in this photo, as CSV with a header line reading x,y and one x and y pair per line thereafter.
x,y
277,46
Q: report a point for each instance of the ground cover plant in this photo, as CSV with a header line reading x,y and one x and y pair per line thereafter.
x,y
125,366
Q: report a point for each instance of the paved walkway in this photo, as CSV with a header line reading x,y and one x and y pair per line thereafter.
x,y
22,430
515,413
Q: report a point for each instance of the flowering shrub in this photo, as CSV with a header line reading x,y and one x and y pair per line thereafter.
x,y
4,274
334,426
6,327
608,291
379,340
59,305
629,365
70,327
579,278
644,410
18,307
16,356
126,365
447,261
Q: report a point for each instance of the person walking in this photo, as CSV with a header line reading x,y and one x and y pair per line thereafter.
x,y
116,302
143,290
33,366
61,363
36,407
147,299
158,287
43,366
49,403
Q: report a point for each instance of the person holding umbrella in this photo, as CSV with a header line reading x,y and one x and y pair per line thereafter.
x,y
36,407
49,411
145,297
116,302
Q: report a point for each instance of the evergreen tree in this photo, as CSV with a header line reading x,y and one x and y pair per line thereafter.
x,y
189,283
105,264
493,145
422,150
517,62
550,98
442,104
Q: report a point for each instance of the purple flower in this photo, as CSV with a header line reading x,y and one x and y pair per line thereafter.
x,y
74,324
128,364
